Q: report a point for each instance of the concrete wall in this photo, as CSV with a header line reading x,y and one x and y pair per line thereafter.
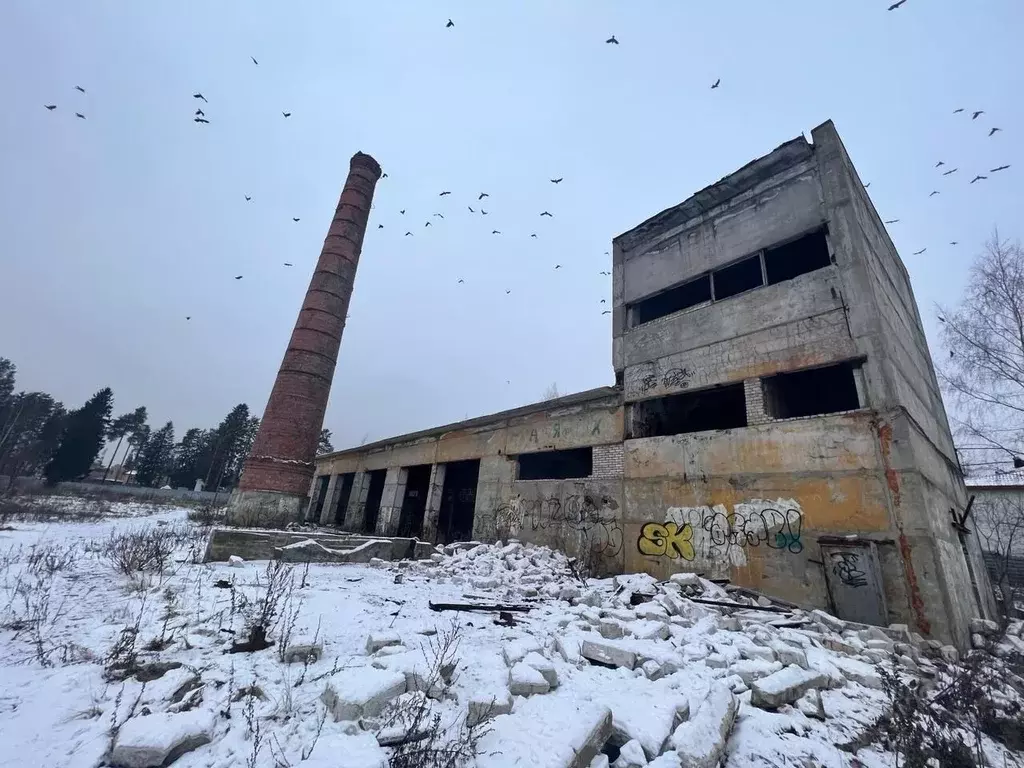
x,y
110,490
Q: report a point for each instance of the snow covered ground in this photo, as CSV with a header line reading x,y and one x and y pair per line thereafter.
x,y
100,663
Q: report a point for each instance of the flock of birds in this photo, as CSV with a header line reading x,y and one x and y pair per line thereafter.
x,y
200,117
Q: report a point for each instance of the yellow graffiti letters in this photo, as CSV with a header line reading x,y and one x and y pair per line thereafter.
x,y
666,540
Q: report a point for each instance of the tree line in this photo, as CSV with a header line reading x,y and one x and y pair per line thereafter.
x,y
39,436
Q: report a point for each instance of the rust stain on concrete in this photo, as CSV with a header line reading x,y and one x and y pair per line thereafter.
x,y
916,601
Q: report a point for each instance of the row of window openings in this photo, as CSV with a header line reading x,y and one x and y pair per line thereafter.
x,y
812,392
767,267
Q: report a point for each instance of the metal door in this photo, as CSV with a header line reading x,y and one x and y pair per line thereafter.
x,y
854,581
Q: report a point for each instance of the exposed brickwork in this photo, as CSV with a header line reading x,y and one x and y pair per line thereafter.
x,y
753,393
285,446
607,461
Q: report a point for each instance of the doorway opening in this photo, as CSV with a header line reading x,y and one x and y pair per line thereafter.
x,y
321,494
414,504
343,497
374,493
458,501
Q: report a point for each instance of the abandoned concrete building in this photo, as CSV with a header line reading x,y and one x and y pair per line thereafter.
x,y
776,419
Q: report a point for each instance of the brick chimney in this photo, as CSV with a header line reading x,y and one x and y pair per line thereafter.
x,y
277,473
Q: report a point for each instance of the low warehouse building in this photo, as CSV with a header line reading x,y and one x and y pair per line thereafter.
x,y
776,419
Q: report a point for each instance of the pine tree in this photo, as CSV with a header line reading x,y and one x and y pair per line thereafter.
x,y
121,427
156,457
324,445
188,456
82,439
228,442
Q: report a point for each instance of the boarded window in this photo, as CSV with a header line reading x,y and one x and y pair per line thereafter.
x,y
813,392
737,278
556,465
805,254
673,300
716,408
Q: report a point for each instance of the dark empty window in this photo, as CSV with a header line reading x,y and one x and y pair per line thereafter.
x,y
804,254
556,465
809,393
738,277
717,408
674,299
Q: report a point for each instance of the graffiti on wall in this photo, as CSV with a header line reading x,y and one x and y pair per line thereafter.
x,y
714,534
587,520
846,567
674,378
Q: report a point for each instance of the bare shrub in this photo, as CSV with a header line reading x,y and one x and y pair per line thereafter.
x,y
261,616
140,550
32,613
208,516
49,557
122,659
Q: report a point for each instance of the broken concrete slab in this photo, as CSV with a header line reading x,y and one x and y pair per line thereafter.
x,y
311,551
788,654
515,651
686,580
568,646
700,742
648,630
750,670
158,739
830,621
608,654
524,680
985,627
784,687
631,755
544,666
542,734
651,611
361,692
483,707
610,629
668,760
859,672
378,640
810,704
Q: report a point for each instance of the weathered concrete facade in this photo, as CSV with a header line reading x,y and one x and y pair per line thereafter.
x,y
777,420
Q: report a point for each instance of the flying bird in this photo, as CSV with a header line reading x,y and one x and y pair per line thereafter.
x,y
558,180
200,120
238,277
287,114
952,171
288,264
383,175
958,111
951,242
558,266
248,198
893,221
976,114
918,253
993,131
495,232
606,312
188,317
80,115
604,273
612,40
444,193
439,215
471,209
254,60
716,83
483,212
450,24
402,211
896,5
545,213
868,185
533,235
200,113
999,168
50,107
408,234
602,301
941,318
483,195
380,226
80,88
507,292
939,164
934,193
979,177
461,280
427,224
199,96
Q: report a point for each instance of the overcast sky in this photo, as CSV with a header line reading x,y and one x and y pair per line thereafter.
x,y
115,228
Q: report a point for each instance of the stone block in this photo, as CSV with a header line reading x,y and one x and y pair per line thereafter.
x,y
541,736
984,627
810,704
651,611
886,645
978,641
837,645
601,761
685,579
483,707
835,624
568,646
544,666
750,670
784,687
669,759
700,742
378,640
610,629
949,654
154,740
788,654
517,650
361,692
631,755
524,680
300,654
648,630
1015,628
607,654
652,669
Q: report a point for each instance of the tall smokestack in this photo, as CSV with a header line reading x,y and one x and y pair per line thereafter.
x,y
277,473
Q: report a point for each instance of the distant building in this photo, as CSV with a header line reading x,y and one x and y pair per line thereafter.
x,y
776,419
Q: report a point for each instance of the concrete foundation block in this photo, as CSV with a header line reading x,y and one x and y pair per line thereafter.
x,y
158,739
700,742
784,687
361,692
524,680
607,654
483,707
265,509
544,666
